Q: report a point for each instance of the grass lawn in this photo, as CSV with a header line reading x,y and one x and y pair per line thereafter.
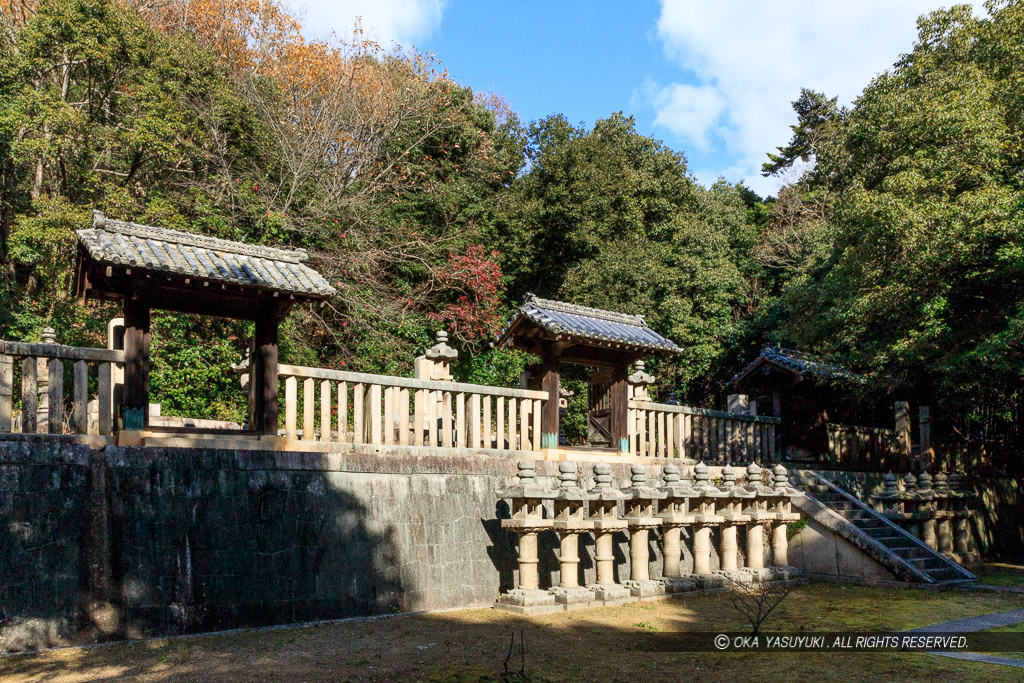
x,y
596,644
1002,574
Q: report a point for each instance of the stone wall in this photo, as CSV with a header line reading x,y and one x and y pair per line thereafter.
x,y
127,542
998,527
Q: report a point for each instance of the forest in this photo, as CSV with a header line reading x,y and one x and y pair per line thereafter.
x,y
895,247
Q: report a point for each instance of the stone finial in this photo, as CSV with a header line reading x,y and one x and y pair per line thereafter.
x,y
639,475
941,483
754,474
527,471
891,486
671,473
49,335
98,219
924,482
441,351
640,380
910,482
602,476
566,475
728,476
700,476
956,482
781,475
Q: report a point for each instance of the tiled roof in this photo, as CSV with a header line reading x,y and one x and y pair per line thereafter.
x,y
800,363
589,323
148,247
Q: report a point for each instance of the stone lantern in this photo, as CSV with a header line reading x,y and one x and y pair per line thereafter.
x,y
605,522
639,381
527,521
674,513
704,516
640,518
730,507
436,362
569,522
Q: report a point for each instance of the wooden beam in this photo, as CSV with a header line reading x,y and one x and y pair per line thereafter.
x,y
136,363
549,381
619,418
265,376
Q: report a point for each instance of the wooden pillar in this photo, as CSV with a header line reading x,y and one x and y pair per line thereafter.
x,y
549,381
264,376
136,363
619,420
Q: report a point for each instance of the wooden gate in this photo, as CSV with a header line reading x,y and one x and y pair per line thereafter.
x,y
599,414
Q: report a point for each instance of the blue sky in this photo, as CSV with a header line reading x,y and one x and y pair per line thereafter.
x,y
711,78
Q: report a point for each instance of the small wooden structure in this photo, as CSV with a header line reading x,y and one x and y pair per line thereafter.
x,y
805,392
558,333
148,267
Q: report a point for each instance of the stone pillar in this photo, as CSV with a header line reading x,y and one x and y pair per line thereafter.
x,y
43,384
924,414
738,404
641,519
605,521
671,539
927,510
902,428
780,540
527,521
910,505
755,545
702,549
944,514
729,547
961,528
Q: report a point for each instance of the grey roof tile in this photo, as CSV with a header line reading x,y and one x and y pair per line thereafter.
x,y
800,363
207,258
590,323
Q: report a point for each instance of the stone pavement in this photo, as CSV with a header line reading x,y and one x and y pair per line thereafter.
x,y
978,623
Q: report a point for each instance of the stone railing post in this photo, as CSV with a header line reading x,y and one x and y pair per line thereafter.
x,y
605,522
926,509
780,539
730,508
911,505
755,528
43,383
943,513
527,521
674,514
569,523
705,518
640,518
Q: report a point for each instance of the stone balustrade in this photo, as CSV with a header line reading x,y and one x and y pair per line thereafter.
x,y
688,506
936,510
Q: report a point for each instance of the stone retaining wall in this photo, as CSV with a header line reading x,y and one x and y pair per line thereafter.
x,y
123,542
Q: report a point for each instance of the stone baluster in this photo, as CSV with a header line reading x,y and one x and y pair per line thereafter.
x,y
640,518
943,513
961,518
730,508
784,510
605,522
755,528
911,515
527,522
704,517
569,522
926,509
674,514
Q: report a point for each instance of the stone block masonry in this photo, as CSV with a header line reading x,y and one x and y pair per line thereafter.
x,y
124,542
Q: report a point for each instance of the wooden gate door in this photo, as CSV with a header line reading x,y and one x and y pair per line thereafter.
x,y
599,416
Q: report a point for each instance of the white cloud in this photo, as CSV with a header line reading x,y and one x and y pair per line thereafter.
x,y
752,58
689,111
387,21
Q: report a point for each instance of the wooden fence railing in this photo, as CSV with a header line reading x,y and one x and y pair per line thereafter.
x,y
354,407
659,430
866,448
44,364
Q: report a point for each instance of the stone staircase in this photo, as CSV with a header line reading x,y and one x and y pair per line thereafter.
x,y
904,554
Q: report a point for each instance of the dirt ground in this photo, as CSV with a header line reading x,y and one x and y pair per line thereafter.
x,y
608,644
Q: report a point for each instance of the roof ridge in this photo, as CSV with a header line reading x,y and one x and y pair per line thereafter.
x,y
588,311
101,222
